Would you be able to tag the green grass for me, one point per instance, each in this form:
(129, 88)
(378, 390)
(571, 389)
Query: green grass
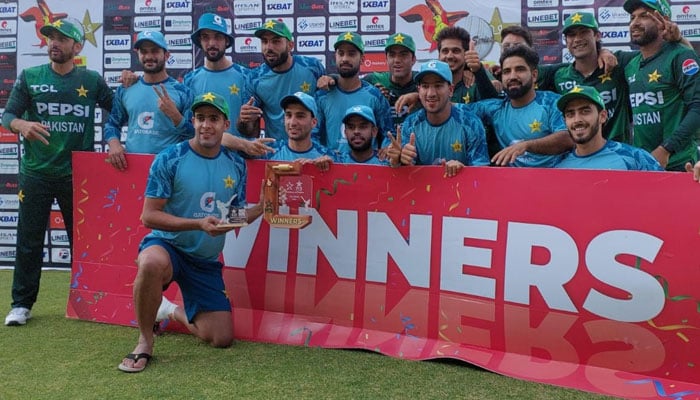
(56, 358)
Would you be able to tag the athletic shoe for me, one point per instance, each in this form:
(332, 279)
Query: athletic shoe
(18, 316)
(166, 309)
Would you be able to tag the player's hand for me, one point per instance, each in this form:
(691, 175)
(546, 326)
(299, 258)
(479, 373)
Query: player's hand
(128, 78)
(258, 147)
(325, 82)
(471, 58)
(33, 131)
(508, 155)
(408, 100)
(409, 152)
(249, 112)
(695, 170)
(452, 167)
(210, 225)
(662, 156)
(323, 163)
(606, 60)
(393, 152)
(166, 104)
(116, 155)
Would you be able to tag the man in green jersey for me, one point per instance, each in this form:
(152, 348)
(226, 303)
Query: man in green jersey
(664, 88)
(52, 106)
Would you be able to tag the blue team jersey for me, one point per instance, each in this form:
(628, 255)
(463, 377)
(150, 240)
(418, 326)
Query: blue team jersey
(269, 87)
(229, 83)
(614, 155)
(539, 118)
(149, 130)
(332, 105)
(193, 184)
(347, 158)
(460, 138)
(284, 153)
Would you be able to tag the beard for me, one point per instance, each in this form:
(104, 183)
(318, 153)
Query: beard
(362, 147)
(649, 36)
(519, 91)
(349, 73)
(60, 58)
(216, 56)
(159, 67)
(283, 57)
(587, 138)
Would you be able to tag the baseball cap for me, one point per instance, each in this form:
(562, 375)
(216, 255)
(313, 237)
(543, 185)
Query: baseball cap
(439, 68)
(401, 39)
(352, 38)
(276, 27)
(363, 111)
(581, 92)
(580, 19)
(214, 23)
(154, 37)
(658, 5)
(300, 98)
(211, 99)
(67, 27)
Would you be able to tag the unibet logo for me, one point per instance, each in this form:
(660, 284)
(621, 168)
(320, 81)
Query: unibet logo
(145, 120)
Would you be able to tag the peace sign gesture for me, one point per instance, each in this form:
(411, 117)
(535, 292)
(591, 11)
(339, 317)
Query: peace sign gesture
(393, 152)
(166, 104)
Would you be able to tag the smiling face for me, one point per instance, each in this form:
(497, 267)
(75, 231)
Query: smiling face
(152, 57)
(298, 122)
(213, 43)
(434, 93)
(209, 127)
(400, 61)
(581, 41)
(275, 50)
(452, 52)
(583, 120)
(644, 28)
(360, 133)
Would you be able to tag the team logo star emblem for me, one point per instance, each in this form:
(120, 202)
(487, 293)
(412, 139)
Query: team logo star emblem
(57, 23)
(466, 98)
(654, 76)
(456, 146)
(536, 126)
(229, 182)
(209, 96)
(90, 28)
(348, 36)
(234, 89)
(576, 18)
(305, 87)
(82, 92)
(604, 78)
(20, 195)
(398, 38)
(269, 24)
(576, 89)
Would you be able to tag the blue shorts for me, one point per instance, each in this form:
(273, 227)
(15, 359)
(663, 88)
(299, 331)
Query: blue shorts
(200, 281)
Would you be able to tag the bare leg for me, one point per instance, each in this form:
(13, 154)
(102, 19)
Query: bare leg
(213, 327)
(154, 271)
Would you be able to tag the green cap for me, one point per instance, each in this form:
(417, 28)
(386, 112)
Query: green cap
(276, 27)
(350, 37)
(401, 39)
(66, 27)
(211, 99)
(581, 92)
(657, 5)
(580, 19)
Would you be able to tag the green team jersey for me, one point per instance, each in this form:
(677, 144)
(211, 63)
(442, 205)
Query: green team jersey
(395, 91)
(477, 91)
(664, 92)
(612, 88)
(65, 105)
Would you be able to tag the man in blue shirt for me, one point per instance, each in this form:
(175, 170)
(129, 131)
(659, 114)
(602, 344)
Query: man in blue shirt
(585, 113)
(360, 132)
(155, 108)
(185, 183)
(282, 74)
(441, 133)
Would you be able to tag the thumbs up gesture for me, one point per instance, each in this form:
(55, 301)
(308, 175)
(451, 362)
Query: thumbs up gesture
(471, 57)
(409, 151)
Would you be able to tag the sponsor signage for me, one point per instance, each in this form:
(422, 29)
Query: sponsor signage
(147, 24)
(614, 34)
(543, 18)
(178, 6)
(247, 7)
(246, 26)
(612, 15)
(343, 6)
(542, 3)
(375, 23)
(311, 25)
(148, 6)
(177, 23)
(279, 7)
(8, 27)
(60, 255)
(117, 42)
(342, 24)
(311, 44)
(117, 60)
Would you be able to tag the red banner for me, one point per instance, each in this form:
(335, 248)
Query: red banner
(585, 279)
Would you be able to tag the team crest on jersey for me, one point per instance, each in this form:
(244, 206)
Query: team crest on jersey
(690, 67)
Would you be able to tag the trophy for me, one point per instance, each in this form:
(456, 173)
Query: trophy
(231, 216)
(279, 192)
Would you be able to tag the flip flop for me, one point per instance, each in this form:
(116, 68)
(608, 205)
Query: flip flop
(136, 358)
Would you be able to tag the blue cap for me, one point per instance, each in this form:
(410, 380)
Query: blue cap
(300, 98)
(213, 22)
(363, 111)
(154, 37)
(439, 68)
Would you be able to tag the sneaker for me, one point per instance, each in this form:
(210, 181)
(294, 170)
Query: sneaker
(18, 316)
(166, 309)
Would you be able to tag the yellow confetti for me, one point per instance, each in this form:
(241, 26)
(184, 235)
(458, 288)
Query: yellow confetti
(683, 337)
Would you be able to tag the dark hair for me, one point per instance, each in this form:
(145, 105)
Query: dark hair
(517, 30)
(526, 53)
(453, 32)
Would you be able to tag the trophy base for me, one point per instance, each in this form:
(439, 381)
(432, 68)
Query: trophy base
(232, 225)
